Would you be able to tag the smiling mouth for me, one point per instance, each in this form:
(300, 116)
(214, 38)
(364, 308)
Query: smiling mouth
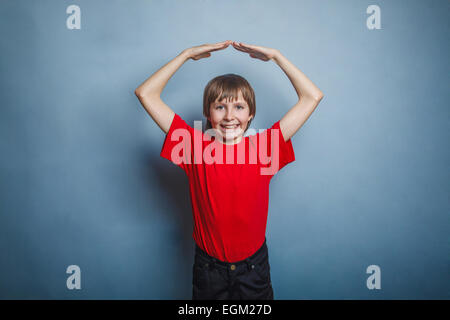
(229, 127)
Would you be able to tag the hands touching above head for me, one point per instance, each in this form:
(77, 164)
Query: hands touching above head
(257, 52)
(149, 92)
(309, 94)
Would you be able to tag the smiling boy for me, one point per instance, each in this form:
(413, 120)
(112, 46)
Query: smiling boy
(229, 198)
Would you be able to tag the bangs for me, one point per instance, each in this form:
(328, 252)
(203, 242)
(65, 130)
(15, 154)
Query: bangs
(227, 93)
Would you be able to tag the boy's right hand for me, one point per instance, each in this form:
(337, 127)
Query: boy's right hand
(203, 51)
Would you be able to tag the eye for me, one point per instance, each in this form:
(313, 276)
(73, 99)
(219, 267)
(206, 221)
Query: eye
(219, 107)
(240, 107)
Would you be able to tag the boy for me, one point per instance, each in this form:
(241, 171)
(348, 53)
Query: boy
(229, 185)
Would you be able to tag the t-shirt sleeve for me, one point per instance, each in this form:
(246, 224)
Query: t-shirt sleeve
(281, 152)
(177, 146)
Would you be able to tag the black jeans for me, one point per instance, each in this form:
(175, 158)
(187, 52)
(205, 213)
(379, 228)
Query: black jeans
(248, 279)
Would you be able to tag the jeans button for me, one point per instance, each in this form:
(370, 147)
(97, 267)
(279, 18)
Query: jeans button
(233, 267)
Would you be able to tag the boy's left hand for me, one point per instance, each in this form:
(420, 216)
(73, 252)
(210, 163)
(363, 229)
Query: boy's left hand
(257, 52)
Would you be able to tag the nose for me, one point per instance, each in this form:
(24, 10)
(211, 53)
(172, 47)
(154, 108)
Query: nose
(229, 114)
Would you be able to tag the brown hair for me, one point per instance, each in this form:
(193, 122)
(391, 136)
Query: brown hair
(228, 87)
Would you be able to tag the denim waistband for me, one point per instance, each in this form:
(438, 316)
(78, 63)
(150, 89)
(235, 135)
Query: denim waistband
(255, 258)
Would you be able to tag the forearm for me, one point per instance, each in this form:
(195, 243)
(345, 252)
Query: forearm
(303, 86)
(155, 84)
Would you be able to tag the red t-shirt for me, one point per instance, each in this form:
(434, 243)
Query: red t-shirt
(229, 185)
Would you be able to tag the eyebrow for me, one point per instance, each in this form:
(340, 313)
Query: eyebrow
(238, 102)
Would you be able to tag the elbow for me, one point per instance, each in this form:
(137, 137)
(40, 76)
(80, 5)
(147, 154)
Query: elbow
(137, 92)
(316, 97)
(140, 94)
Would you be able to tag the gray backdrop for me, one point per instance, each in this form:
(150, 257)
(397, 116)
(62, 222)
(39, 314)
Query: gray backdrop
(82, 182)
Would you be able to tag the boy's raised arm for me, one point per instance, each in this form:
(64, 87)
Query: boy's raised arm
(309, 94)
(149, 92)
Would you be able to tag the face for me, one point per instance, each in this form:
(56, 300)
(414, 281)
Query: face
(230, 119)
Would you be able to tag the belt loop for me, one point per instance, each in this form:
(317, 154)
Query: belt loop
(249, 264)
(212, 263)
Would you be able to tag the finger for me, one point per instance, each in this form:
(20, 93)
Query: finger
(242, 45)
(246, 45)
(223, 43)
(240, 48)
(219, 46)
(251, 47)
(237, 44)
(216, 49)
